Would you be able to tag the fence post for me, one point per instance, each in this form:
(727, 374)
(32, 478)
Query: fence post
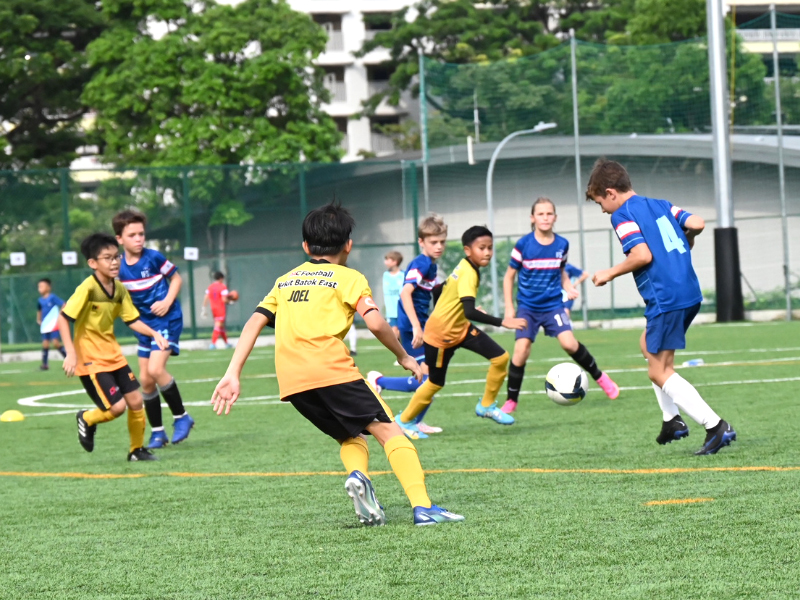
(423, 117)
(187, 220)
(781, 172)
(414, 202)
(301, 181)
(573, 44)
(611, 236)
(64, 189)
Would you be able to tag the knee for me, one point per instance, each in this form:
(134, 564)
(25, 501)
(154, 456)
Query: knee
(46, 345)
(134, 401)
(117, 408)
(154, 372)
(569, 344)
(500, 362)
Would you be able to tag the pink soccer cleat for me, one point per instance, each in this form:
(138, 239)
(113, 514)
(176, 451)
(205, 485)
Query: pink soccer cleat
(509, 407)
(608, 386)
(425, 428)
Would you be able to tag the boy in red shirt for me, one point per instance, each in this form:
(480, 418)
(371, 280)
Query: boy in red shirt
(217, 297)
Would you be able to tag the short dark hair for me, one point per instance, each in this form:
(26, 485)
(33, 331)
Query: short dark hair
(93, 245)
(45, 280)
(327, 229)
(219, 276)
(124, 218)
(607, 174)
(473, 233)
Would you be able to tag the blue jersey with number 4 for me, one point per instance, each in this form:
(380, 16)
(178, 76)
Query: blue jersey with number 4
(669, 282)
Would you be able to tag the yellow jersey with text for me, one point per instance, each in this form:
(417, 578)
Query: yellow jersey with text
(448, 325)
(313, 307)
(93, 312)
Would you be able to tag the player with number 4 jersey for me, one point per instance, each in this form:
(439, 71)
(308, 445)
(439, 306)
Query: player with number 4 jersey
(540, 259)
(657, 238)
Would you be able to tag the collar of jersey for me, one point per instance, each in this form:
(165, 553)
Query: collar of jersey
(102, 287)
(319, 261)
(472, 264)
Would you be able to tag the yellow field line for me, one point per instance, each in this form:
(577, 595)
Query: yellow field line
(670, 471)
(678, 501)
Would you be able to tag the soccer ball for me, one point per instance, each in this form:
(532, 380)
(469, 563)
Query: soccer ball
(566, 384)
(233, 295)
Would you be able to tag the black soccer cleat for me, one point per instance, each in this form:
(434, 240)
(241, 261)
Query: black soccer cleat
(85, 432)
(672, 430)
(141, 454)
(717, 437)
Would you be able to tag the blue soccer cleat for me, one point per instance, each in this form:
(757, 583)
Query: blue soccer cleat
(158, 439)
(360, 490)
(674, 429)
(494, 413)
(183, 425)
(433, 515)
(718, 437)
(410, 430)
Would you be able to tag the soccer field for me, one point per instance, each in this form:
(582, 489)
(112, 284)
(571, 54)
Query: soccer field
(570, 502)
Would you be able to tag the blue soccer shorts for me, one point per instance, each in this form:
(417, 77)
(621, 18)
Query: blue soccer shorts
(170, 329)
(555, 322)
(418, 354)
(667, 331)
(51, 336)
(392, 321)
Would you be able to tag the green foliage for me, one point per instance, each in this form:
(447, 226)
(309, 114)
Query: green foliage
(223, 85)
(43, 70)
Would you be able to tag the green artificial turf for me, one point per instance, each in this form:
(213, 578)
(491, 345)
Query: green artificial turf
(555, 505)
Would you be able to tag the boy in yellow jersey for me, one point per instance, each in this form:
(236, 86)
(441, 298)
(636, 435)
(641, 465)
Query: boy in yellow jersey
(311, 309)
(450, 328)
(96, 356)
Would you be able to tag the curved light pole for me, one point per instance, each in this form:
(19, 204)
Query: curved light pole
(490, 201)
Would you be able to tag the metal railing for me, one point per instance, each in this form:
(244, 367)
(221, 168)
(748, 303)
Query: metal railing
(338, 90)
(765, 35)
(382, 144)
(335, 41)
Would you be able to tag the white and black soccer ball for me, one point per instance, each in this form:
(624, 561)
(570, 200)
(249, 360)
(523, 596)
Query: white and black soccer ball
(566, 384)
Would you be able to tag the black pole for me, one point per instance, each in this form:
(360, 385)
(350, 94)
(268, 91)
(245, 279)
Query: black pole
(730, 302)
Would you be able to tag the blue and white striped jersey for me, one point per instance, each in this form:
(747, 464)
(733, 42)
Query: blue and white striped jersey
(539, 266)
(147, 281)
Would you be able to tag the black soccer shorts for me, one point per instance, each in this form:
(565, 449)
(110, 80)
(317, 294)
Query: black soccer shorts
(476, 341)
(106, 389)
(343, 410)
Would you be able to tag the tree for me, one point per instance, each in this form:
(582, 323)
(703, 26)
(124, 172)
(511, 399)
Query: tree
(43, 72)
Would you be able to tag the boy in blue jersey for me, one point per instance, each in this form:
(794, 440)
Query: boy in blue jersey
(393, 279)
(153, 283)
(540, 259)
(48, 308)
(576, 277)
(420, 287)
(656, 238)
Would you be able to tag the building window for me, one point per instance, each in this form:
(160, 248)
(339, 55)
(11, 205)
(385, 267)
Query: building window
(332, 24)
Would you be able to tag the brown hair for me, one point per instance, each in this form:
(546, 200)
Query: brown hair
(124, 218)
(433, 224)
(541, 200)
(395, 256)
(607, 174)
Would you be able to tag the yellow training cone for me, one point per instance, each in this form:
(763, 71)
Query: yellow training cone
(12, 415)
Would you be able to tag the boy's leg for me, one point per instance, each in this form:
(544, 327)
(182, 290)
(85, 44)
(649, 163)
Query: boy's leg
(59, 347)
(152, 402)
(136, 420)
(354, 453)
(102, 389)
(45, 353)
(668, 408)
(516, 372)
(479, 342)
(561, 327)
(437, 360)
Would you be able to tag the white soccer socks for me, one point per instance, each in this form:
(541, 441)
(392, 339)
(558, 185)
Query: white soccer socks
(689, 401)
(668, 408)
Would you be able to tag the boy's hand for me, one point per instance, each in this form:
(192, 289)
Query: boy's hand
(416, 341)
(225, 394)
(160, 308)
(409, 364)
(69, 363)
(514, 323)
(203, 313)
(160, 341)
(602, 277)
(573, 293)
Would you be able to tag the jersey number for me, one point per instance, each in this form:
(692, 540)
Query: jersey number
(669, 236)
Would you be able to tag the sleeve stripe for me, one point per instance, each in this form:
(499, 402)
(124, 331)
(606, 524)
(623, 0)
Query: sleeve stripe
(627, 228)
(413, 276)
(516, 255)
(675, 210)
(167, 268)
(132, 321)
(267, 313)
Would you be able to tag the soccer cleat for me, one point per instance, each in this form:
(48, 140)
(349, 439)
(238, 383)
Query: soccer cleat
(509, 407)
(141, 454)
(410, 430)
(212, 346)
(672, 430)
(718, 437)
(433, 515)
(608, 386)
(425, 428)
(360, 490)
(372, 378)
(85, 432)
(44, 367)
(183, 425)
(158, 439)
(494, 413)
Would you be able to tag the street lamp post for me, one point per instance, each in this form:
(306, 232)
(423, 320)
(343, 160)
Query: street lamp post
(490, 201)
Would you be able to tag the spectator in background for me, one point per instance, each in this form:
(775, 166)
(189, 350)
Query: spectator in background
(392, 284)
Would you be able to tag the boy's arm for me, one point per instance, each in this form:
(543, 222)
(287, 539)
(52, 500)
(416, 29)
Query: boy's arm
(381, 330)
(140, 327)
(637, 257)
(508, 291)
(227, 390)
(161, 307)
(70, 360)
(39, 317)
(584, 276)
(566, 284)
(408, 306)
(693, 227)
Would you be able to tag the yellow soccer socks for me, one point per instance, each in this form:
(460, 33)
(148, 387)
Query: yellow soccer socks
(95, 416)
(406, 466)
(498, 368)
(354, 453)
(136, 428)
(420, 400)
